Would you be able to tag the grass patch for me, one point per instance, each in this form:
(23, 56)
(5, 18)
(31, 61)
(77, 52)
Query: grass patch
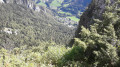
(42, 4)
(74, 18)
(56, 3)
(65, 5)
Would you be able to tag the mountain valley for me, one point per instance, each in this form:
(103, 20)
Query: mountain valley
(46, 33)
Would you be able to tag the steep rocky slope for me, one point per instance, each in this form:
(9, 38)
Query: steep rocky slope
(94, 11)
(28, 3)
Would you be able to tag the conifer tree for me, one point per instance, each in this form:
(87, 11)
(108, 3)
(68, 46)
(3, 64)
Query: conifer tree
(100, 42)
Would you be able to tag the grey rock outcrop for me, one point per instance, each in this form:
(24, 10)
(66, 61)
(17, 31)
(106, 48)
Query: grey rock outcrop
(94, 11)
(29, 4)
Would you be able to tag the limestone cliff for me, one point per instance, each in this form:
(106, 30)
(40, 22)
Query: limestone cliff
(28, 3)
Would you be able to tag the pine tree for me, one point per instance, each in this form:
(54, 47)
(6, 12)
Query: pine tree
(101, 40)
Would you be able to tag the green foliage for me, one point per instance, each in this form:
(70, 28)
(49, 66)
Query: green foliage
(54, 53)
(44, 55)
(74, 18)
(106, 57)
(56, 3)
(75, 54)
(98, 45)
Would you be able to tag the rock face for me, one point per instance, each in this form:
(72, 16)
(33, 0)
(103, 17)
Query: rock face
(94, 11)
(28, 3)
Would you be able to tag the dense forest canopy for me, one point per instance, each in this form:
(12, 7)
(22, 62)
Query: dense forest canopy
(22, 26)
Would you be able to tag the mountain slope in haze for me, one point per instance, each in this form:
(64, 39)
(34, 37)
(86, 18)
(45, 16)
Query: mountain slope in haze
(20, 25)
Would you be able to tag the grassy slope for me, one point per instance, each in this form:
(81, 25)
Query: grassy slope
(74, 18)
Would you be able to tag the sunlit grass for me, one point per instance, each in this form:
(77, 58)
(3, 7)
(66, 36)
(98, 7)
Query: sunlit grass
(74, 18)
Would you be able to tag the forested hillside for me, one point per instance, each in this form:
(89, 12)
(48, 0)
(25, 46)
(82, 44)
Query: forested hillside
(22, 26)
